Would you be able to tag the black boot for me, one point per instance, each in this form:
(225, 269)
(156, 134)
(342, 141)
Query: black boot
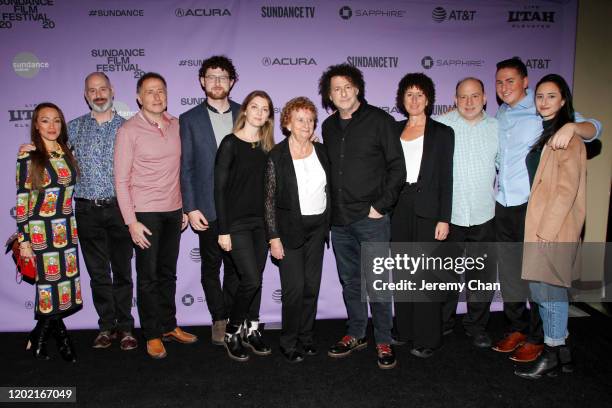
(565, 357)
(233, 345)
(252, 338)
(546, 364)
(64, 344)
(38, 337)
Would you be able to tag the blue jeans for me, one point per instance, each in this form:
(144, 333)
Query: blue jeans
(347, 241)
(554, 309)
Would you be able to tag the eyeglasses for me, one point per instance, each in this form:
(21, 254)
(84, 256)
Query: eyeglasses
(213, 78)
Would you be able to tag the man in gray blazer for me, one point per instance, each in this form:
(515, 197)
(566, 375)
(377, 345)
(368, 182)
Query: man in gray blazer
(202, 128)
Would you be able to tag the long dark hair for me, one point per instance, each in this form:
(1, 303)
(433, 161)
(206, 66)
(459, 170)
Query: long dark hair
(563, 116)
(40, 157)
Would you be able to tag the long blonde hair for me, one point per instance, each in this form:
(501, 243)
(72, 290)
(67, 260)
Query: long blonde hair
(266, 132)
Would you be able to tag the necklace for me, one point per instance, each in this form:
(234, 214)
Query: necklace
(58, 153)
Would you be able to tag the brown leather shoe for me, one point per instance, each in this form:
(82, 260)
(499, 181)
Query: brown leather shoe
(127, 341)
(156, 348)
(218, 332)
(510, 342)
(527, 352)
(103, 340)
(180, 336)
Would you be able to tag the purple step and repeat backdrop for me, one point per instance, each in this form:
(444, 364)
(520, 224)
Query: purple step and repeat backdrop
(49, 46)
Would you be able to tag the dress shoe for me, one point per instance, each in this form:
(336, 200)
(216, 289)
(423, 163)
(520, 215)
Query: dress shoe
(127, 341)
(386, 356)
(510, 343)
(311, 350)
(565, 358)
(346, 346)
(37, 339)
(233, 343)
(422, 352)
(527, 353)
(103, 340)
(156, 349)
(218, 332)
(180, 336)
(480, 340)
(252, 338)
(546, 364)
(64, 344)
(292, 356)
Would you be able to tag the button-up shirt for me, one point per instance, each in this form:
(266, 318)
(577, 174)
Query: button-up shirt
(147, 166)
(519, 128)
(94, 146)
(476, 148)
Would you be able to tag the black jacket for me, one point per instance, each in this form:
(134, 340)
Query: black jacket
(435, 183)
(366, 164)
(282, 203)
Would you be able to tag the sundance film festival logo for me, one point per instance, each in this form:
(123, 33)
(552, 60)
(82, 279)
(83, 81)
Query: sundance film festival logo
(439, 15)
(441, 109)
(287, 61)
(192, 101)
(531, 17)
(21, 117)
(346, 13)
(202, 12)
(536, 63)
(428, 62)
(27, 65)
(190, 62)
(116, 13)
(20, 11)
(119, 60)
(373, 61)
(287, 12)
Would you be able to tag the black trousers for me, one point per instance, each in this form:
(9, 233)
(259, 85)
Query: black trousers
(156, 272)
(107, 246)
(510, 227)
(478, 303)
(249, 253)
(300, 274)
(219, 298)
(419, 321)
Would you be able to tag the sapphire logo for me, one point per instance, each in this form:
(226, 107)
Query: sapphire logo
(277, 296)
(194, 254)
(187, 300)
(438, 14)
(427, 62)
(345, 13)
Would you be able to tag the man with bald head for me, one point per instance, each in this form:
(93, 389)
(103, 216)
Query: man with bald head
(105, 240)
(473, 211)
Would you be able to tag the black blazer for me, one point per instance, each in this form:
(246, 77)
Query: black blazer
(283, 215)
(435, 182)
(198, 152)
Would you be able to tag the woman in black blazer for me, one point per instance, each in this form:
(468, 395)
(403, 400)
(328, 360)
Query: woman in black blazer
(423, 210)
(297, 222)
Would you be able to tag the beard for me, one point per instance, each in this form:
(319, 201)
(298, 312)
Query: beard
(217, 93)
(100, 108)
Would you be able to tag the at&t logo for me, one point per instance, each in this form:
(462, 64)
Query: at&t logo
(439, 14)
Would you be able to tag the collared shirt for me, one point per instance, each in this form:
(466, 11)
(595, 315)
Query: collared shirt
(476, 148)
(519, 128)
(222, 122)
(147, 166)
(94, 146)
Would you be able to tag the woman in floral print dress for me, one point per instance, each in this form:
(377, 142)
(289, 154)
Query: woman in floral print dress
(47, 228)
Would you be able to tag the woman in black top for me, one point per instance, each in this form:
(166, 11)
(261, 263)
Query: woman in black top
(239, 186)
(423, 210)
(297, 223)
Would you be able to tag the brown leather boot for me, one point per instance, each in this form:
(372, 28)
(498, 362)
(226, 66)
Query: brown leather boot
(156, 349)
(218, 332)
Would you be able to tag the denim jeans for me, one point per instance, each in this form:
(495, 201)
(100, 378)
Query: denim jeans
(554, 308)
(346, 240)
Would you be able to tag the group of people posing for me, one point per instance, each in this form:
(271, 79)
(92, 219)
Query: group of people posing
(138, 183)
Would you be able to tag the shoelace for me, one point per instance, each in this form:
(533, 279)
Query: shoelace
(346, 340)
(383, 349)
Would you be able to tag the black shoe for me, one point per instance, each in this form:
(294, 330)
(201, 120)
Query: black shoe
(422, 352)
(252, 338)
(233, 344)
(565, 358)
(480, 340)
(386, 356)
(292, 356)
(546, 364)
(448, 331)
(395, 341)
(37, 339)
(346, 346)
(64, 344)
(311, 350)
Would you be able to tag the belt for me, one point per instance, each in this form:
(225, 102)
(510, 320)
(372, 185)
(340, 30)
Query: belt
(98, 202)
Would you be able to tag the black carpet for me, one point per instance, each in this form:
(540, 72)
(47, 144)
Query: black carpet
(201, 375)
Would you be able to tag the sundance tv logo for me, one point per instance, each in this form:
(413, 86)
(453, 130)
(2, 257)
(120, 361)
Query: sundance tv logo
(288, 61)
(439, 15)
(202, 12)
(346, 13)
(287, 12)
(372, 61)
(428, 62)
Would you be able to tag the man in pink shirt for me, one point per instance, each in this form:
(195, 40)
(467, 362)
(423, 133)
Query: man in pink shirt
(147, 168)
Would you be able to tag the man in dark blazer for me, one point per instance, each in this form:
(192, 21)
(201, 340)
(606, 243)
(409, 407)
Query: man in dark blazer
(202, 128)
